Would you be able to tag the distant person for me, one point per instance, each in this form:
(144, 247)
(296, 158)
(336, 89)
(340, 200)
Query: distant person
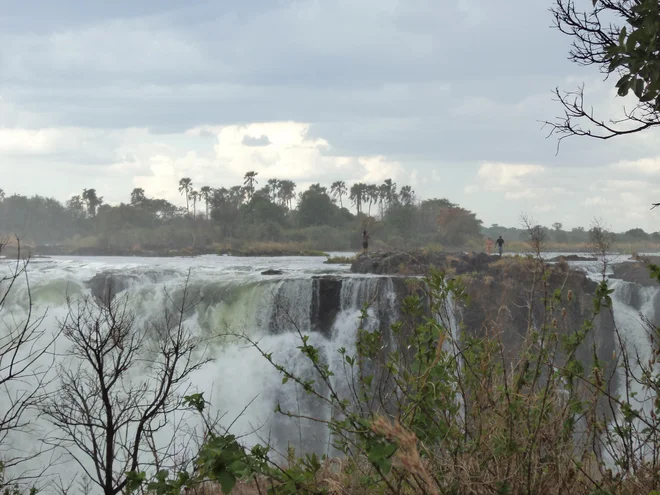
(500, 244)
(365, 242)
(489, 245)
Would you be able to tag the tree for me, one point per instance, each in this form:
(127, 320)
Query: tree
(357, 195)
(119, 385)
(316, 207)
(205, 193)
(617, 36)
(92, 201)
(600, 243)
(185, 186)
(137, 197)
(250, 180)
(273, 189)
(389, 190)
(455, 225)
(76, 207)
(557, 226)
(287, 192)
(2, 195)
(25, 364)
(372, 195)
(338, 190)
(194, 195)
(407, 196)
(637, 234)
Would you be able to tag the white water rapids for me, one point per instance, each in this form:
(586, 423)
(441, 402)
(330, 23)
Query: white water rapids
(239, 383)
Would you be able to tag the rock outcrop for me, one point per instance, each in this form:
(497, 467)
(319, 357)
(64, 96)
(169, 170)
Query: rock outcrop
(498, 290)
(419, 263)
(636, 272)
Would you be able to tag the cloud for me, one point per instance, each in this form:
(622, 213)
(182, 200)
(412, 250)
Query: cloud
(256, 141)
(645, 166)
(513, 180)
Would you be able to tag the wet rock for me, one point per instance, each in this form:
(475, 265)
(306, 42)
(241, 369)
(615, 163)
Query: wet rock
(272, 272)
(105, 286)
(572, 257)
(634, 272)
(420, 263)
(326, 303)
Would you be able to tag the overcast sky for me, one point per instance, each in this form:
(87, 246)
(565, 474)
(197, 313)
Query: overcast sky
(444, 95)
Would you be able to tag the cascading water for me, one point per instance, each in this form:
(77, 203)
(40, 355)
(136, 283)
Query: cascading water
(232, 299)
(632, 306)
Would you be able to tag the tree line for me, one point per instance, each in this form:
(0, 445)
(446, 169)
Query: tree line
(275, 211)
(317, 218)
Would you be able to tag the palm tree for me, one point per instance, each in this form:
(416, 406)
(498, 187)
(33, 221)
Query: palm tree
(287, 192)
(194, 195)
(407, 195)
(273, 189)
(206, 193)
(338, 190)
(237, 195)
(185, 186)
(357, 195)
(249, 183)
(372, 195)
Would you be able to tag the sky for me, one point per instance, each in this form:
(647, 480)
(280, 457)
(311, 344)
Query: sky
(447, 96)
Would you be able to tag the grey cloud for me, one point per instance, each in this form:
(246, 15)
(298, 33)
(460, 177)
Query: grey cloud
(256, 141)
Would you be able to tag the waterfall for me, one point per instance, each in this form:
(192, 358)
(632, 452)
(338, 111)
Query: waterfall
(241, 385)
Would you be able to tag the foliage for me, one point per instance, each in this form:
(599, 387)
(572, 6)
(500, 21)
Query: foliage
(430, 413)
(240, 214)
(619, 37)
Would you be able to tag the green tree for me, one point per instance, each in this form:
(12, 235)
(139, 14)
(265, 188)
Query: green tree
(92, 201)
(338, 190)
(287, 192)
(137, 197)
(407, 196)
(357, 195)
(185, 186)
(273, 189)
(371, 195)
(250, 181)
(617, 36)
(316, 207)
(205, 193)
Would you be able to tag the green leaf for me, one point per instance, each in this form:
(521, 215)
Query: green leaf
(227, 481)
(285, 379)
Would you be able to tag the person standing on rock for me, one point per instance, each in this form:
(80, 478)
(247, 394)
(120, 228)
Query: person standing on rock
(500, 244)
(489, 245)
(365, 242)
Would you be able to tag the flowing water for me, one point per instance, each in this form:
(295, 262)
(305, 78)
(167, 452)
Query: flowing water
(233, 297)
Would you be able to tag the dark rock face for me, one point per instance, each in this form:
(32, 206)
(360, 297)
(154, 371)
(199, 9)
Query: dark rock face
(634, 271)
(419, 263)
(104, 286)
(326, 303)
(272, 272)
(498, 290)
